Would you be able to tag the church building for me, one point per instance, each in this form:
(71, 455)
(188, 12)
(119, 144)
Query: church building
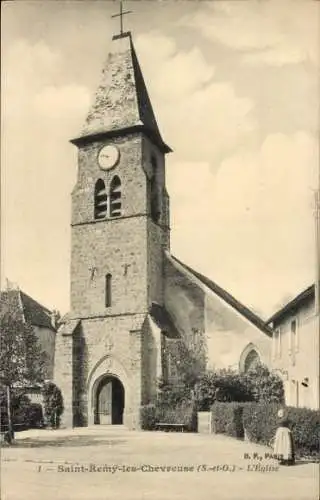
(138, 315)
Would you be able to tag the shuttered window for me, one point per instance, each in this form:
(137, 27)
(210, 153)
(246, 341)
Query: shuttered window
(115, 197)
(100, 200)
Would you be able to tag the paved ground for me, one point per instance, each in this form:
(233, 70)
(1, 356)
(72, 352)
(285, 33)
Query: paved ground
(47, 465)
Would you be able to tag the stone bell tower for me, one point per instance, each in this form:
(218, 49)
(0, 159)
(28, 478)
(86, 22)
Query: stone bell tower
(120, 229)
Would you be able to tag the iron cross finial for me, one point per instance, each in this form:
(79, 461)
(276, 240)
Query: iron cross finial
(121, 14)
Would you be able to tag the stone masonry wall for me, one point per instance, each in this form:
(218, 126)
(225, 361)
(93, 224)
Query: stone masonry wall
(119, 248)
(63, 376)
(150, 360)
(117, 342)
(155, 281)
(132, 176)
(115, 339)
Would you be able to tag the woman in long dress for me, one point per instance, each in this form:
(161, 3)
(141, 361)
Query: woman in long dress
(283, 441)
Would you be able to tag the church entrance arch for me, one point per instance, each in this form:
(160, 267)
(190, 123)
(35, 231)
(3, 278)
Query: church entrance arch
(109, 401)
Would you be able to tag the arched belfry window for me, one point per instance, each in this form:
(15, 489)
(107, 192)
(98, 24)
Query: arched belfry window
(100, 200)
(115, 197)
(154, 192)
(108, 290)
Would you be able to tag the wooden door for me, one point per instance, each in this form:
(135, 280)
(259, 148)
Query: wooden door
(105, 404)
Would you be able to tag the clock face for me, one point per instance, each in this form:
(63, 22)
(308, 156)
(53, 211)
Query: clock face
(108, 157)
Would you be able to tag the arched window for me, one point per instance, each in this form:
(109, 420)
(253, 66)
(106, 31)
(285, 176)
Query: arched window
(115, 197)
(108, 290)
(250, 358)
(154, 193)
(251, 361)
(100, 200)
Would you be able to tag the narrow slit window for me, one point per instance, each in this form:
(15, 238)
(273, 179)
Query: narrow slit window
(115, 197)
(154, 194)
(108, 291)
(100, 200)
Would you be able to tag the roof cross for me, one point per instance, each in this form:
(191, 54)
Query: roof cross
(121, 14)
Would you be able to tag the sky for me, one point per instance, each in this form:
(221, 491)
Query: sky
(235, 89)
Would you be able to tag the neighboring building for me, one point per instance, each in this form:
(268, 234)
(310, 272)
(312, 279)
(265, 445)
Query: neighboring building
(42, 320)
(137, 314)
(295, 349)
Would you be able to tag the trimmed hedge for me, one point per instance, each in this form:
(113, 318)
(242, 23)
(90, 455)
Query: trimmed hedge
(305, 426)
(259, 421)
(227, 419)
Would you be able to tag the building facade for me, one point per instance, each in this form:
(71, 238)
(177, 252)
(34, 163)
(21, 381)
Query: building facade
(43, 320)
(138, 315)
(295, 349)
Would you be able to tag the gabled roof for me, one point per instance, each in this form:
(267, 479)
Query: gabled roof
(121, 102)
(307, 294)
(30, 310)
(228, 298)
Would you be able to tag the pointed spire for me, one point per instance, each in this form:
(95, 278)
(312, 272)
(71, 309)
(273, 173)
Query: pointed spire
(121, 102)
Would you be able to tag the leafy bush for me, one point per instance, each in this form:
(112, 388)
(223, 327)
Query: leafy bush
(25, 415)
(148, 417)
(223, 385)
(183, 413)
(258, 384)
(53, 404)
(227, 419)
(263, 384)
(35, 416)
(175, 405)
(28, 416)
(171, 395)
(261, 421)
(20, 405)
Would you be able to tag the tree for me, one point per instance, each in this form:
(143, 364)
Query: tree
(53, 404)
(21, 359)
(189, 357)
